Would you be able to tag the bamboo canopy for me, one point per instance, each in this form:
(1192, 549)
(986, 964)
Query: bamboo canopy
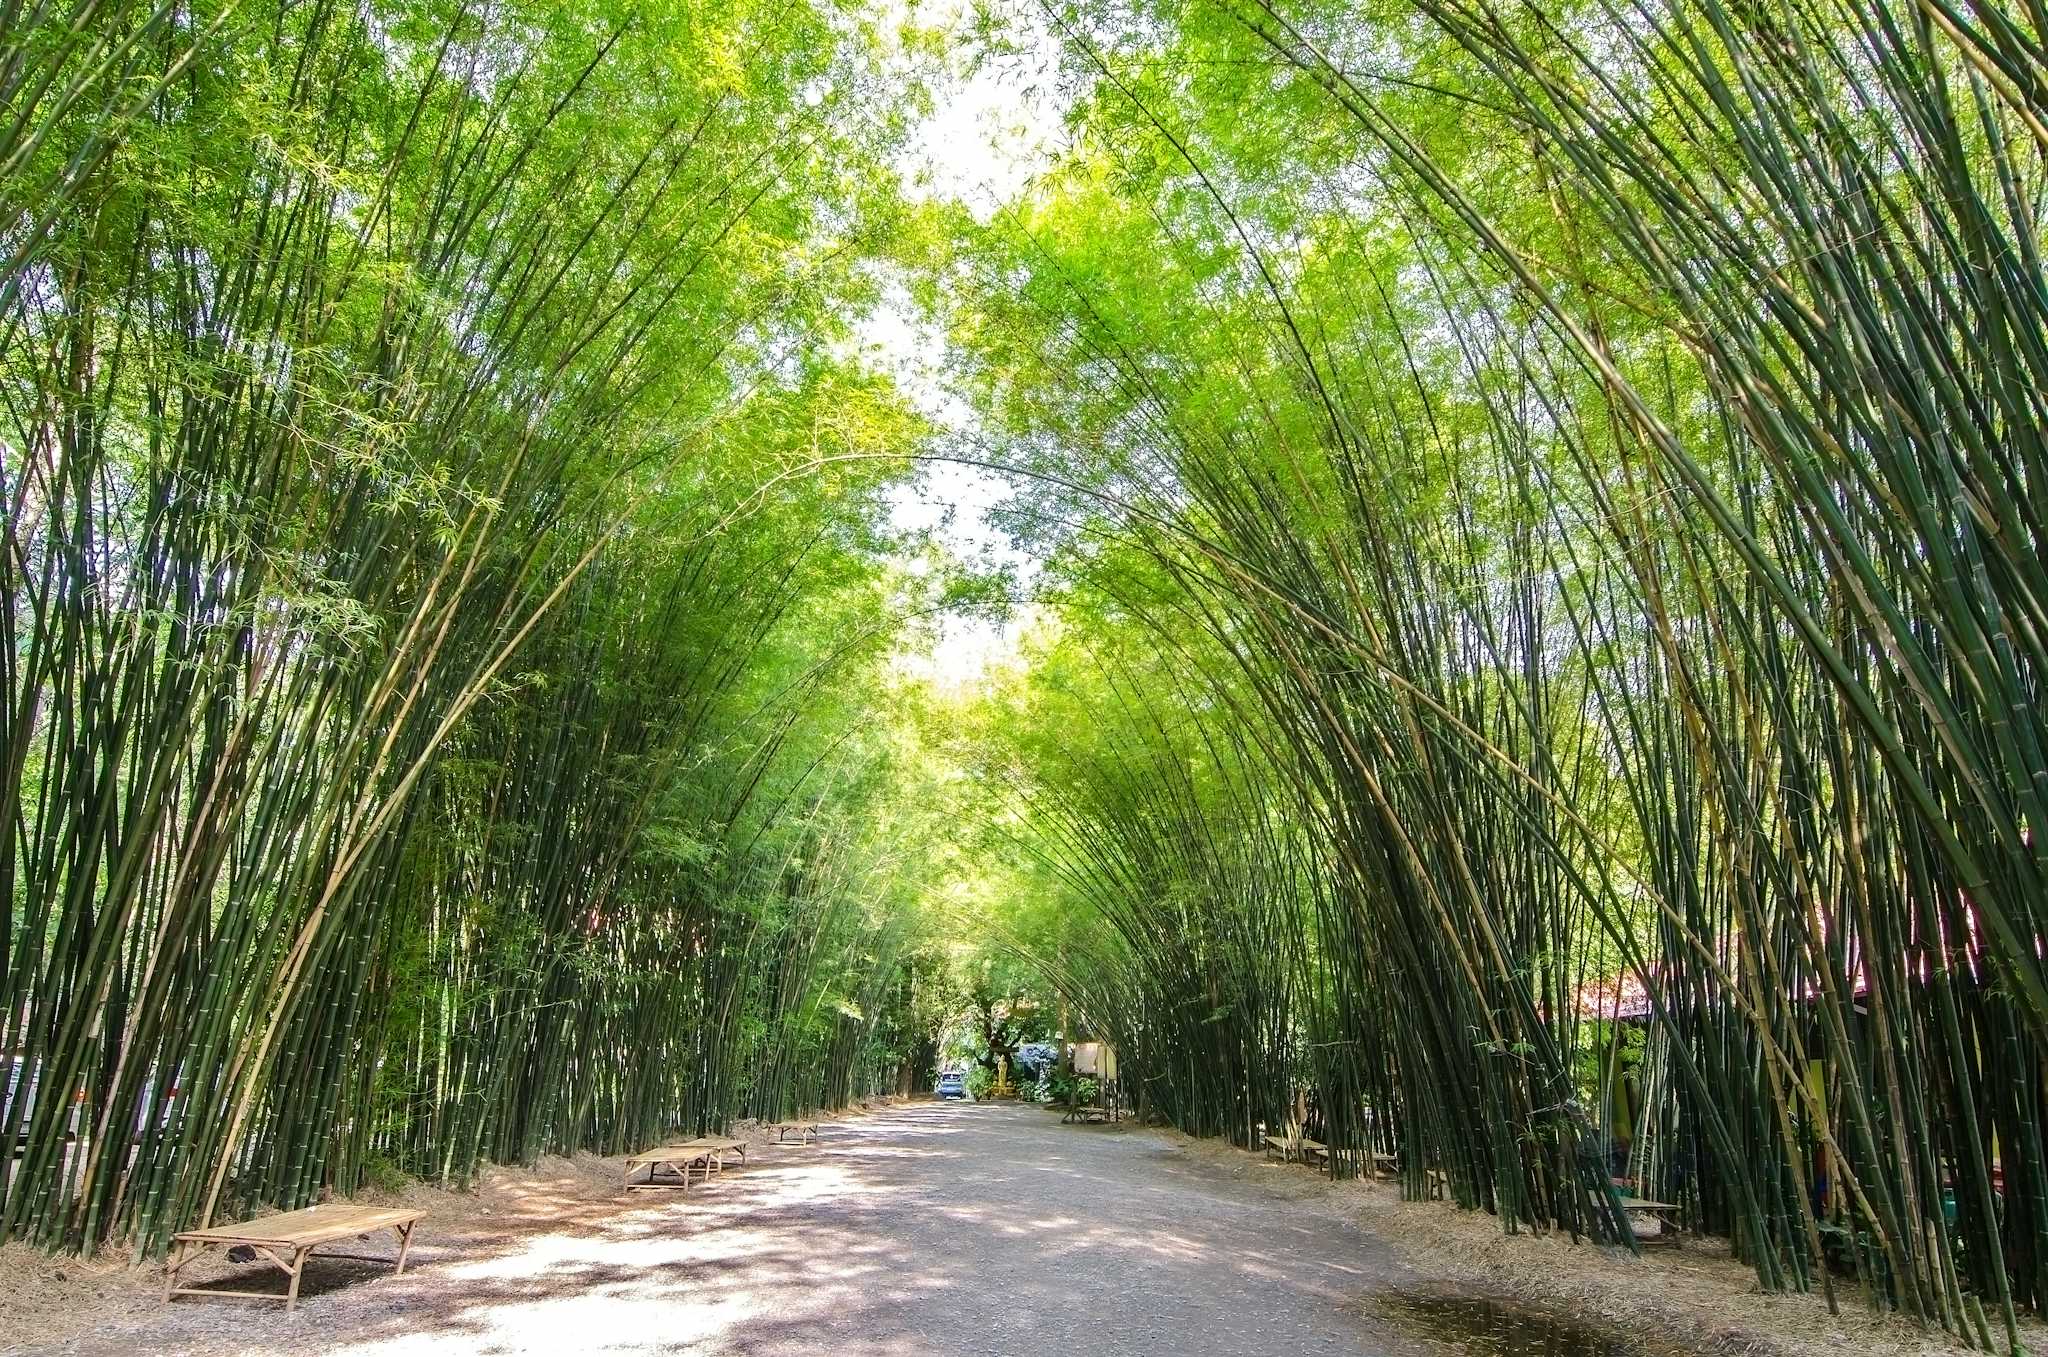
(1563, 498)
(1535, 533)
(420, 740)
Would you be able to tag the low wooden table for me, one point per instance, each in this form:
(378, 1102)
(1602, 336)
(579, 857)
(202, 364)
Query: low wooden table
(783, 1130)
(1299, 1148)
(1373, 1163)
(669, 1165)
(286, 1241)
(672, 1165)
(1664, 1213)
(721, 1146)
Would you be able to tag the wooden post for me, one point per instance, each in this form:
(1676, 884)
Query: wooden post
(171, 1266)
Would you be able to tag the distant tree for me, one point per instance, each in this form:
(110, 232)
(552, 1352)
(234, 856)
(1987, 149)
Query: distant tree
(1002, 1010)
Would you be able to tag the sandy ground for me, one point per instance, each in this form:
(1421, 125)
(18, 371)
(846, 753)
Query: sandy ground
(931, 1228)
(1691, 1294)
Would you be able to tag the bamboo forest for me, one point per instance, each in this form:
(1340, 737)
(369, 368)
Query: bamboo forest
(1462, 577)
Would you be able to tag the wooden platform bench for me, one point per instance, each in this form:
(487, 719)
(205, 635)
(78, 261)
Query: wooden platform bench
(721, 1146)
(1081, 1114)
(1369, 1164)
(1288, 1149)
(286, 1241)
(672, 1165)
(669, 1165)
(806, 1131)
(1664, 1213)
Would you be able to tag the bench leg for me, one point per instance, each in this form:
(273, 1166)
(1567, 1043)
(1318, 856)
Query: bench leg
(298, 1269)
(173, 1266)
(404, 1245)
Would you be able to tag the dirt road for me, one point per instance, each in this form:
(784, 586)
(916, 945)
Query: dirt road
(926, 1228)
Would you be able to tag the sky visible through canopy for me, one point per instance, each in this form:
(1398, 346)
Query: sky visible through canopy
(996, 125)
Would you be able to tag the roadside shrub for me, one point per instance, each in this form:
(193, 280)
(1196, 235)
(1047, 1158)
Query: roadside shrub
(380, 1174)
(1058, 1087)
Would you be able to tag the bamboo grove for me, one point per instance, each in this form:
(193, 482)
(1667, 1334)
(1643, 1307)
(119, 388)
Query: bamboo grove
(427, 721)
(1542, 566)
(1545, 519)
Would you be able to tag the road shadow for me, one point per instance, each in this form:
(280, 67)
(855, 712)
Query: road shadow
(921, 1229)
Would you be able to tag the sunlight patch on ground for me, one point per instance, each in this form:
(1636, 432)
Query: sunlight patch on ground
(693, 1271)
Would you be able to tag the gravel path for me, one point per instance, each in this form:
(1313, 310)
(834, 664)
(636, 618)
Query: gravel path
(926, 1228)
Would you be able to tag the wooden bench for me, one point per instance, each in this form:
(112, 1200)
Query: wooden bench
(721, 1146)
(672, 1165)
(807, 1131)
(1294, 1146)
(286, 1241)
(1089, 1113)
(669, 1165)
(1371, 1164)
(1664, 1213)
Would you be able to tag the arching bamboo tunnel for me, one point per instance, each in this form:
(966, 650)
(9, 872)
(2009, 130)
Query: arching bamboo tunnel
(1522, 638)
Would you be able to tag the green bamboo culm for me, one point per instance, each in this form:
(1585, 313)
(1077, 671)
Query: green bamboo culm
(1542, 575)
(1580, 464)
(418, 733)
